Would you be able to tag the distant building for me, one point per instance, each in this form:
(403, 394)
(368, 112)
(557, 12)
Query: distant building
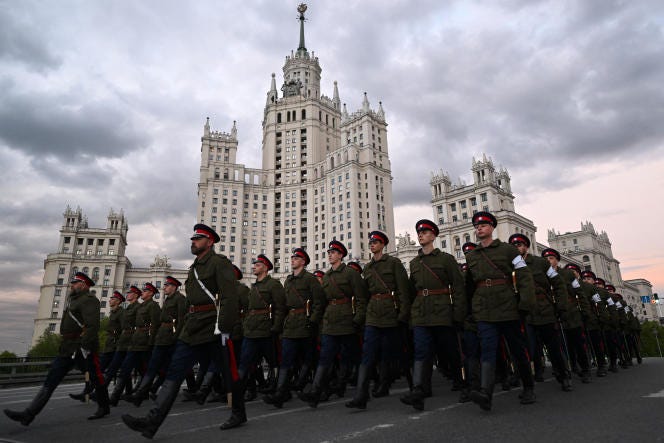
(100, 253)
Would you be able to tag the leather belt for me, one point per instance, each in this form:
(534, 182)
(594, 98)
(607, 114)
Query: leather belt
(127, 331)
(487, 283)
(384, 296)
(297, 311)
(166, 324)
(339, 301)
(202, 308)
(70, 335)
(258, 311)
(143, 328)
(428, 292)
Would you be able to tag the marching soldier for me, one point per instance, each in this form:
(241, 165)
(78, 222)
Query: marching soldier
(147, 323)
(319, 275)
(470, 342)
(496, 270)
(611, 326)
(437, 312)
(344, 317)
(263, 319)
(581, 303)
(213, 309)
(127, 323)
(169, 326)
(305, 302)
(597, 322)
(356, 266)
(79, 330)
(389, 307)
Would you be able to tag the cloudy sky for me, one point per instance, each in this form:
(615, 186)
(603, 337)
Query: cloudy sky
(102, 104)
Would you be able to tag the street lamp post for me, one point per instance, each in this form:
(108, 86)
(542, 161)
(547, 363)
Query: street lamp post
(657, 339)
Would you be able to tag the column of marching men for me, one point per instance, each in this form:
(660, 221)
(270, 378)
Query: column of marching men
(497, 316)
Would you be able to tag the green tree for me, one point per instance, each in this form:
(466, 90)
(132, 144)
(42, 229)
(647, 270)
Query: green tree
(6, 355)
(649, 340)
(47, 345)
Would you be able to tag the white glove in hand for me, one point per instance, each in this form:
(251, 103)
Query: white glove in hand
(551, 272)
(575, 284)
(224, 339)
(597, 298)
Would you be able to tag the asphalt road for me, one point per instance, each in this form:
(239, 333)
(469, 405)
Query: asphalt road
(623, 407)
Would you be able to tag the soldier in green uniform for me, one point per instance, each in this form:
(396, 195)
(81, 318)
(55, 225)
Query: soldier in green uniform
(346, 298)
(496, 270)
(438, 310)
(113, 333)
(305, 301)
(470, 342)
(581, 303)
(623, 348)
(319, 275)
(142, 340)
(596, 321)
(79, 330)
(389, 307)
(127, 324)
(206, 334)
(611, 326)
(170, 323)
(263, 319)
(634, 337)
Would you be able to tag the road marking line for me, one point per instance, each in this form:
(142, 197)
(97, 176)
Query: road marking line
(659, 394)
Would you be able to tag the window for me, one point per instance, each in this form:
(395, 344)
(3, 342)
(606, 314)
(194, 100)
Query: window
(483, 196)
(61, 270)
(453, 207)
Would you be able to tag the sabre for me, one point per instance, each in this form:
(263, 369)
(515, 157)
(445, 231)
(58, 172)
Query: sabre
(217, 331)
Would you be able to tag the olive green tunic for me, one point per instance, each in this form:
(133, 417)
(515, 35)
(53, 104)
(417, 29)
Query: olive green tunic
(147, 323)
(171, 319)
(612, 321)
(128, 322)
(216, 272)
(303, 290)
(593, 318)
(499, 302)
(390, 292)
(550, 293)
(437, 271)
(266, 308)
(344, 288)
(573, 317)
(114, 329)
(85, 308)
(243, 297)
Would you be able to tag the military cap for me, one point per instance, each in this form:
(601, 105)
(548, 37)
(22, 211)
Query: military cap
(118, 295)
(301, 253)
(204, 231)
(173, 281)
(519, 238)
(266, 261)
(550, 252)
(588, 274)
(81, 277)
(573, 267)
(427, 225)
(318, 273)
(609, 287)
(468, 246)
(355, 265)
(336, 245)
(150, 287)
(600, 281)
(379, 236)
(464, 267)
(238, 273)
(484, 217)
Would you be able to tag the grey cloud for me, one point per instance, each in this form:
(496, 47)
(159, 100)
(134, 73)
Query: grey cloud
(17, 325)
(23, 41)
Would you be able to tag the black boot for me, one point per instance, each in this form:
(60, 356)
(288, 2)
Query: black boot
(81, 397)
(26, 416)
(362, 392)
(103, 408)
(142, 392)
(313, 396)
(302, 378)
(238, 411)
(205, 389)
(129, 390)
(281, 394)
(566, 384)
(344, 376)
(483, 397)
(149, 425)
(416, 397)
(528, 394)
(120, 384)
(384, 380)
(427, 374)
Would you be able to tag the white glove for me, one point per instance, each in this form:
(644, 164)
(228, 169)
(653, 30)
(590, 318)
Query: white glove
(597, 298)
(628, 309)
(575, 284)
(518, 262)
(224, 339)
(85, 353)
(609, 301)
(618, 305)
(551, 272)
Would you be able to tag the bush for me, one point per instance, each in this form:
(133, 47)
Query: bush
(649, 341)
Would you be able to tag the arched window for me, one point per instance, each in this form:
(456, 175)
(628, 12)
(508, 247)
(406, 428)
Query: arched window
(278, 117)
(586, 258)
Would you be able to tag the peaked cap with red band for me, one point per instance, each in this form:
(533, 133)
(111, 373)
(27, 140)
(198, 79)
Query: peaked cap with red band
(427, 225)
(81, 277)
(118, 295)
(266, 261)
(135, 290)
(468, 246)
(301, 253)
(318, 273)
(600, 281)
(379, 236)
(336, 245)
(174, 281)
(150, 287)
(464, 267)
(484, 217)
(588, 274)
(204, 231)
(573, 267)
(519, 238)
(609, 287)
(355, 265)
(238, 273)
(550, 252)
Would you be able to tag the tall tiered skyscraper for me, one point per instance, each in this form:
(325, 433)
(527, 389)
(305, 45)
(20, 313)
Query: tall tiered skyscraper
(325, 174)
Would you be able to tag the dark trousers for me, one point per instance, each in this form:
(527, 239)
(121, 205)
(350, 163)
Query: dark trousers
(294, 349)
(548, 335)
(253, 349)
(383, 343)
(331, 345)
(159, 360)
(114, 365)
(134, 360)
(490, 332)
(598, 346)
(611, 337)
(63, 364)
(105, 360)
(440, 340)
(577, 347)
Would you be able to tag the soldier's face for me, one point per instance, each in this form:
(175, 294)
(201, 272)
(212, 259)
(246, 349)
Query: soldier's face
(169, 288)
(113, 302)
(553, 261)
(297, 262)
(521, 247)
(484, 230)
(376, 246)
(146, 295)
(425, 237)
(131, 296)
(77, 287)
(258, 268)
(200, 245)
(333, 256)
(589, 280)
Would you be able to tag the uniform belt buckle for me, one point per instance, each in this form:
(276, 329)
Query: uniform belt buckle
(425, 292)
(487, 282)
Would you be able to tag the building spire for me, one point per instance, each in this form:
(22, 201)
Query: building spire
(335, 96)
(206, 128)
(301, 49)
